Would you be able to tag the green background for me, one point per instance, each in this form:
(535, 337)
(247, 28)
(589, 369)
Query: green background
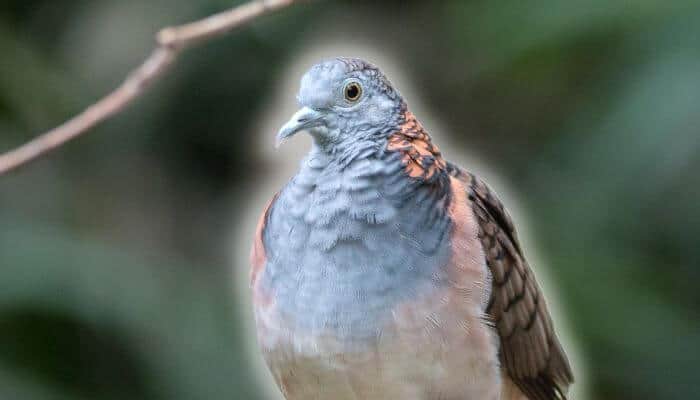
(115, 250)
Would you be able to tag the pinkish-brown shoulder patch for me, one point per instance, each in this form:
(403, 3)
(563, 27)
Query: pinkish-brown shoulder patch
(467, 266)
(421, 158)
(257, 252)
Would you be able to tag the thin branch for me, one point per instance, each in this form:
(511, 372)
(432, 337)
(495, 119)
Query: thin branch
(170, 42)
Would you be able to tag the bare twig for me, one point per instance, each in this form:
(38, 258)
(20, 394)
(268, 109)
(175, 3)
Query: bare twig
(170, 42)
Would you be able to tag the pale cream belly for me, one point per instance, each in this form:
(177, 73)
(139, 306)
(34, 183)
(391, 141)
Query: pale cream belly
(421, 355)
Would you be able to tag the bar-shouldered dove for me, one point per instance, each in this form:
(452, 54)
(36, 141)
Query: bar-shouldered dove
(383, 271)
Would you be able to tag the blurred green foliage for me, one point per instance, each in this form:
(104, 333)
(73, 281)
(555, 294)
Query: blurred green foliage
(114, 250)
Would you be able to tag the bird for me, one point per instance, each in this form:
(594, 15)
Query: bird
(383, 271)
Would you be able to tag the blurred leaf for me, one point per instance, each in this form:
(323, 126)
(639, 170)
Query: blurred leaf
(84, 296)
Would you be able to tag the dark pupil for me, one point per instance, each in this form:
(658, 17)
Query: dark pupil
(352, 92)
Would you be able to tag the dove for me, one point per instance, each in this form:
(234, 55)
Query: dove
(384, 271)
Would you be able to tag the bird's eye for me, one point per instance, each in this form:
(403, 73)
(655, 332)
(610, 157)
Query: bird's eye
(353, 91)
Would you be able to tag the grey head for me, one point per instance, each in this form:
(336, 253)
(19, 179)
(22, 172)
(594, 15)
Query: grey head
(344, 100)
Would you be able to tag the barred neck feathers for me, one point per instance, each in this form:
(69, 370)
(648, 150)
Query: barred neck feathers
(422, 159)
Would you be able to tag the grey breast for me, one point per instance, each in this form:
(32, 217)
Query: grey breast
(348, 239)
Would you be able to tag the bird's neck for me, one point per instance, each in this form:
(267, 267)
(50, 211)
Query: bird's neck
(403, 138)
(402, 167)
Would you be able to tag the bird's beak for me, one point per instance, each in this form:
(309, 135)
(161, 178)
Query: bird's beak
(305, 118)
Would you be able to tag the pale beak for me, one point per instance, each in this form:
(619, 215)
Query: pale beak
(305, 118)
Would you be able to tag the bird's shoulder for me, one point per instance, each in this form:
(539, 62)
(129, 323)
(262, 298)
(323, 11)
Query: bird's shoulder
(258, 252)
(530, 351)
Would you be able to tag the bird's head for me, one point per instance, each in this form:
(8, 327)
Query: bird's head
(344, 100)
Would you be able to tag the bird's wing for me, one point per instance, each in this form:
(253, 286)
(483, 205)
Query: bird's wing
(529, 349)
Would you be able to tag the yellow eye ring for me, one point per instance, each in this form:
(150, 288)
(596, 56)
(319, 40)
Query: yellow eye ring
(353, 91)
